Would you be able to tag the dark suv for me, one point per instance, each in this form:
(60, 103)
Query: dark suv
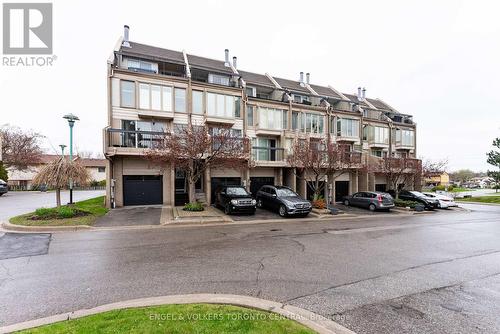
(234, 199)
(283, 199)
(3, 187)
(417, 196)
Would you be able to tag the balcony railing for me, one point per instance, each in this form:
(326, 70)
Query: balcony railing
(133, 138)
(262, 153)
(374, 114)
(351, 157)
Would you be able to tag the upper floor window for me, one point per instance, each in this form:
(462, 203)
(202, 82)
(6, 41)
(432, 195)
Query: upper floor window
(180, 99)
(218, 79)
(133, 137)
(308, 122)
(197, 102)
(300, 98)
(405, 137)
(378, 134)
(155, 97)
(249, 115)
(251, 91)
(127, 94)
(220, 105)
(140, 66)
(347, 127)
(272, 119)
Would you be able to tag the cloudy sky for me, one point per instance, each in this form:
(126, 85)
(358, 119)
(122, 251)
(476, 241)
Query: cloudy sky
(436, 60)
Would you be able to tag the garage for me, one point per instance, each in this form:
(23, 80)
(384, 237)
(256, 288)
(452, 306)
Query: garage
(257, 182)
(142, 189)
(223, 181)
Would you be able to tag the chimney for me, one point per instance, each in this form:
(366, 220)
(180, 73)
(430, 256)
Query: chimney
(301, 80)
(308, 75)
(359, 93)
(363, 95)
(226, 57)
(234, 62)
(126, 29)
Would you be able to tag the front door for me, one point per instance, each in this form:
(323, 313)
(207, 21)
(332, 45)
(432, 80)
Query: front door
(181, 191)
(341, 190)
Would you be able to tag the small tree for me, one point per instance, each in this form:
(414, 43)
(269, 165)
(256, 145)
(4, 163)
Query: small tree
(4, 175)
(315, 159)
(20, 149)
(462, 175)
(494, 159)
(58, 173)
(399, 171)
(194, 149)
(431, 168)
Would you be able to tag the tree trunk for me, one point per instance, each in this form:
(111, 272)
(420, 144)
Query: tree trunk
(191, 191)
(58, 197)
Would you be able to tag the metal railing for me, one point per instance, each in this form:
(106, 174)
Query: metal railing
(262, 153)
(134, 138)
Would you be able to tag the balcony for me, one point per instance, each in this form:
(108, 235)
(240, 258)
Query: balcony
(399, 145)
(131, 142)
(268, 156)
(375, 115)
(168, 115)
(351, 157)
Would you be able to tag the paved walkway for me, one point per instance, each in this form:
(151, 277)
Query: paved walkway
(131, 216)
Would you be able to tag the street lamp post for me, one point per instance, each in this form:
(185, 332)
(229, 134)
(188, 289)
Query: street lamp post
(62, 146)
(71, 121)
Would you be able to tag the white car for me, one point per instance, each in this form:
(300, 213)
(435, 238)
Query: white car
(444, 202)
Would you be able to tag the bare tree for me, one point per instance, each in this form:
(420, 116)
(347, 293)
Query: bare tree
(399, 171)
(20, 148)
(431, 168)
(59, 172)
(315, 159)
(194, 149)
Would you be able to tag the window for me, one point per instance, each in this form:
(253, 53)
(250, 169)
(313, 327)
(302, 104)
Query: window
(251, 91)
(131, 138)
(380, 135)
(249, 115)
(272, 119)
(197, 102)
(101, 169)
(307, 122)
(377, 153)
(237, 107)
(220, 105)
(405, 137)
(155, 97)
(127, 95)
(300, 98)
(218, 79)
(295, 120)
(264, 149)
(180, 99)
(347, 127)
(140, 66)
(167, 98)
(144, 96)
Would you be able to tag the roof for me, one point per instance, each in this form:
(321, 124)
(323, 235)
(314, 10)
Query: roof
(380, 104)
(325, 91)
(291, 85)
(354, 98)
(153, 51)
(255, 78)
(89, 162)
(208, 63)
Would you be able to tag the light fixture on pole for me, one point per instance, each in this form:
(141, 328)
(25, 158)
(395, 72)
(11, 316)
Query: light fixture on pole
(62, 146)
(71, 121)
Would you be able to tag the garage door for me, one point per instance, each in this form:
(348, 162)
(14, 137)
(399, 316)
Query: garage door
(142, 189)
(223, 181)
(257, 182)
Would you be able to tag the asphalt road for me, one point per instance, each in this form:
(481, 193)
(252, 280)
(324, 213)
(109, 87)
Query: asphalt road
(15, 203)
(428, 273)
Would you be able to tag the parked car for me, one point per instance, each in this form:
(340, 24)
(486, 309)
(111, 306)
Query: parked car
(444, 202)
(234, 199)
(283, 199)
(417, 196)
(3, 187)
(372, 200)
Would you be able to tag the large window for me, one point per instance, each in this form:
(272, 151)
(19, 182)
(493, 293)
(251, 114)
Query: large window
(180, 99)
(307, 122)
(264, 149)
(127, 94)
(249, 115)
(197, 102)
(155, 97)
(220, 105)
(140, 66)
(379, 134)
(218, 79)
(134, 138)
(167, 98)
(272, 119)
(405, 137)
(347, 127)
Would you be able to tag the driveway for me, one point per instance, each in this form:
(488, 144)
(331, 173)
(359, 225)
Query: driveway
(15, 203)
(131, 216)
(435, 273)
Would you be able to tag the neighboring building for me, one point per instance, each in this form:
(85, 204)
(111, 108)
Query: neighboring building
(153, 90)
(23, 179)
(437, 179)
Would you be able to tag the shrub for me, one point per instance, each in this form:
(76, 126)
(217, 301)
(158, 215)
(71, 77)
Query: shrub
(3, 172)
(319, 203)
(46, 212)
(195, 206)
(58, 213)
(403, 204)
(66, 212)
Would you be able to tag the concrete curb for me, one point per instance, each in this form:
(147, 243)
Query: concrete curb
(477, 203)
(22, 228)
(309, 319)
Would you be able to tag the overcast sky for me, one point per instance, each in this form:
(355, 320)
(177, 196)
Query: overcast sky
(436, 60)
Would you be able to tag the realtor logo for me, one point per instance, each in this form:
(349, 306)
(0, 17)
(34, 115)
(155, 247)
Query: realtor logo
(27, 28)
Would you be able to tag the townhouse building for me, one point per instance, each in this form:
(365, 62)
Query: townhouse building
(153, 90)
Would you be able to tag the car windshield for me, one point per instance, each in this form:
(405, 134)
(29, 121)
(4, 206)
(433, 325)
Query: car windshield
(284, 192)
(236, 191)
(417, 193)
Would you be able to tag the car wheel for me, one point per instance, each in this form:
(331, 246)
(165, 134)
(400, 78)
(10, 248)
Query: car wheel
(282, 211)
(227, 210)
(259, 203)
(372, 207)
(439, 205)
(346, 202)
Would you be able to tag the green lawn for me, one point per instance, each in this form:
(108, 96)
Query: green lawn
(482, 199)
(459, 190)
(181, 319)
(94, 206)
